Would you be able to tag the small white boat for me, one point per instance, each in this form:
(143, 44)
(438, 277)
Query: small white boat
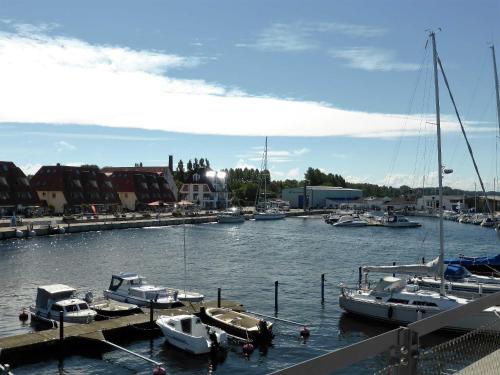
(270, 214)
(132, 288)
(19, 233)
(231, 216)
(397, 221)
(188, 333)
(350, 221)
(53, 299)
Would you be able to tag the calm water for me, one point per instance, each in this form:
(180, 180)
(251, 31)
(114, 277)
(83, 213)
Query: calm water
(244, 260)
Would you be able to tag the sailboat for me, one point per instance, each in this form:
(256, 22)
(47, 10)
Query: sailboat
(392, 299)
(183, 295)
(267, 213)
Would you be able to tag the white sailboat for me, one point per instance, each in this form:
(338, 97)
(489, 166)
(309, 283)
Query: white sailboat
(267, 213)
(393, 299)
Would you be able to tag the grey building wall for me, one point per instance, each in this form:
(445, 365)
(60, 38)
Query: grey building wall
(317, 196)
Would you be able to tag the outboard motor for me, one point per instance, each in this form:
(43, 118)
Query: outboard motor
(89, 297)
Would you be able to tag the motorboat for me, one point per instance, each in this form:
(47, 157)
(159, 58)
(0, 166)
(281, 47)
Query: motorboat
(188, 333)
(332, 218)
(243, 325)
(397, 221)
(231, 216)
(488, 222)
(392, 300)
(132, 288)
(350, 221)
(107, 309)
(270, 214)
(53, 299)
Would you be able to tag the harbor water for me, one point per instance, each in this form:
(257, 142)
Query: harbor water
(244, 260)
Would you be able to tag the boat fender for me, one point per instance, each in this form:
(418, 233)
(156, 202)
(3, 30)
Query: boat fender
(159, 371)
(390, 312)
(23, 316)
(248, 348)
(304, 332)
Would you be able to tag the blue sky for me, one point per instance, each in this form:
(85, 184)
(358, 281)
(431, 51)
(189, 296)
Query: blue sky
(344, 86)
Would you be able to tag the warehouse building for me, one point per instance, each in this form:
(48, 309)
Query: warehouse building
(320, 196)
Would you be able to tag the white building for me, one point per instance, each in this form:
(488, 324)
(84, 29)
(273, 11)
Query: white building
(206, 188)
(450, 202)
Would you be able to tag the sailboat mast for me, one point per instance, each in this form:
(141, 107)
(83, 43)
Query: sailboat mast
(265, 176)
(497, 89)
(496, 86)
(440, 166)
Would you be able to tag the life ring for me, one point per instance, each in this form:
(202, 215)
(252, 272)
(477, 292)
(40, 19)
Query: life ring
(390, 312)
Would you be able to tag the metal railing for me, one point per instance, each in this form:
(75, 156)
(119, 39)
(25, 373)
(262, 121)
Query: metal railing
(402, 342)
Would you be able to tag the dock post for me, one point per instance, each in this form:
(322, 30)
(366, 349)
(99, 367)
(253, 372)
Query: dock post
(423, 260)
(151, 311)
(360, 278)
(61, 327)
(218, 297)
(393, 263)
(322, 288)
(276, 296)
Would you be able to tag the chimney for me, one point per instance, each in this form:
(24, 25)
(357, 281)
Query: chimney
(171, 162)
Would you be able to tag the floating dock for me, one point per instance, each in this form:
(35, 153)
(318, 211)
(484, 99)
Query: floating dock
(88, 338)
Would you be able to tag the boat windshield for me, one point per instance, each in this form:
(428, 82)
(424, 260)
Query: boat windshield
(71, 308)
(83, 306)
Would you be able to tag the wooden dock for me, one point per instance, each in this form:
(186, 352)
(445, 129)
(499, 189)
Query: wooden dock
(88, 338)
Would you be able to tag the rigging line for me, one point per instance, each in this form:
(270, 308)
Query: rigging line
(410, 106)
(421, 137)
(465, 136)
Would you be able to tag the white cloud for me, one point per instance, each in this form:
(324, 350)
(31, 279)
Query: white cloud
(68, 81)
(62, 146)
(30, 169)
(282, 37)
(293, 174)
(301, 151)
(372, 59)
(241, 163)
(300, 36)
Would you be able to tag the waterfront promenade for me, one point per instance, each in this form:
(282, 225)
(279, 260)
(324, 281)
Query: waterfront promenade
(42, 226)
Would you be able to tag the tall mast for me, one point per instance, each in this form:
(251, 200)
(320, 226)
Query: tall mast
(497, 89)
(265, 176)
(440, 165)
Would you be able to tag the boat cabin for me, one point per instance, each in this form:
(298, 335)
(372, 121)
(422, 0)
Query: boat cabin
(127, 280)
(49, 294)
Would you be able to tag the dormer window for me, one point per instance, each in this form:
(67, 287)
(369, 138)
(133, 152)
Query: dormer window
(196, 177)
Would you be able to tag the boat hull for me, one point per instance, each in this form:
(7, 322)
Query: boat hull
(274, 216)
(140, 301)
(405, 314)
(230, 219)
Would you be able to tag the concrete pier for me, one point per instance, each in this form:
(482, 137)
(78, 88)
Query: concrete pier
(118, 223)
(87, 338)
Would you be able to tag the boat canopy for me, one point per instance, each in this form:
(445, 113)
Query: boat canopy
(389, 284)
(455, 272)
(477, 261)
(54, 292)
(429, 268)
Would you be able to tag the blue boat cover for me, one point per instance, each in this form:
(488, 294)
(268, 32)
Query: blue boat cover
(455, 272)
(478, 261)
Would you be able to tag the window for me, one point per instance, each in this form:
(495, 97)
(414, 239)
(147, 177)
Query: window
(77, 183)
(397, 300)
(23, 181)
(109, 184)
(83, 306)
(195, 187)
(71, 308)
(56, 308)
(185, 188)
(93, 183)
(3, 181)
(423, 303)
(53, 195)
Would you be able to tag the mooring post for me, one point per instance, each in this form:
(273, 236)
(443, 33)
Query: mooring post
(423, 260)
(151, 311)
(276, 296)
(218, 297)
(322, 288)
(393, 263)
(61, 326)
(360, 278)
